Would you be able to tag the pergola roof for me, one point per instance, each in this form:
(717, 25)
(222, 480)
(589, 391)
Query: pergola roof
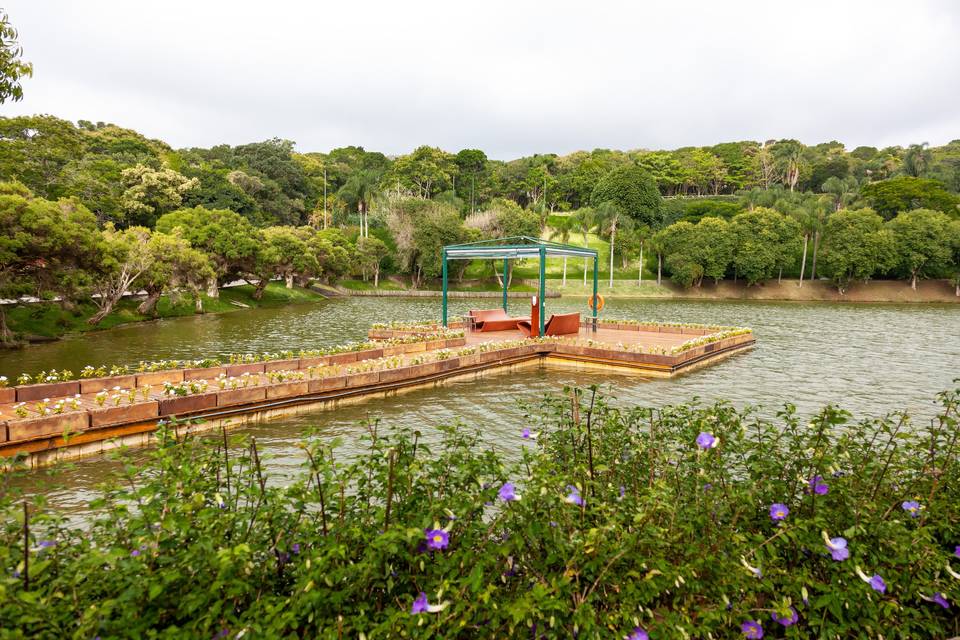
(514, 247)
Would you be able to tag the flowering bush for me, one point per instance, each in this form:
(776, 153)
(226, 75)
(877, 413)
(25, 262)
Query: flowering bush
(681, 522)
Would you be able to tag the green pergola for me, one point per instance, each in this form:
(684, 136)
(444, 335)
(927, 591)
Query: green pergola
(514, 248)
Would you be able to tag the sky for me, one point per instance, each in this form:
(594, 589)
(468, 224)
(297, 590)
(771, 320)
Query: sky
(513, 78)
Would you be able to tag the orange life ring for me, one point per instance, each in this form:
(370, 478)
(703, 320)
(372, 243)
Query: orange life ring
(596, 302)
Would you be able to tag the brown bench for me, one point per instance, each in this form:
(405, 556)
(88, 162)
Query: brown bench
(494, 320)
(559, 324)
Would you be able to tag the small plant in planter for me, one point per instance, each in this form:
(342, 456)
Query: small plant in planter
(21, 410)
(117, 370)
(24, 378)
(145, 392)
(3, 382)
(75, 402)
(100, 398)
(41, 406)
(116, 399)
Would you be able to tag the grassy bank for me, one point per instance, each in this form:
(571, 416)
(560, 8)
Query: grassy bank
(50, 320)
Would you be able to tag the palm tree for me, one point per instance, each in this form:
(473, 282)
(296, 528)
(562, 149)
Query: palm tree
(609, 217)
(562, 229)
(916, 160)
(583, 220)
(360, 190)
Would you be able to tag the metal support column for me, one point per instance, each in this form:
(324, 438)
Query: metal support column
(506, 266)
(444, 287)
(596, 265)
(543, 281)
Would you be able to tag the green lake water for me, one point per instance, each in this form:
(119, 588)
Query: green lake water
(870, 359)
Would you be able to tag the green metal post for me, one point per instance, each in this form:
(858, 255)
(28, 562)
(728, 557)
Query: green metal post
(506, 266)
(444, 287)
(543, 280)
(595, 269)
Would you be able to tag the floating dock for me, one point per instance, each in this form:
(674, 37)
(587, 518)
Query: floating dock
(76, 418)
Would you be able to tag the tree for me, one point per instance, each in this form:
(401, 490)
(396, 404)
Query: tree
(283, 253)
(764, 241)
(563, 226)
(46, 248)
(903, 193)
(125, 258)
(174, 265)
(922, 243)
(12, 65)
(916, 160)
(226, 237)
(857, 246)
(954, 238)
(371, 252)
(633, 191)
(713, 246)
(609, 218)
(426, 171)
(358, 192)
(472, 163)
(152, 192)
(583, 220)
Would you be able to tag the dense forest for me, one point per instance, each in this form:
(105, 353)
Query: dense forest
(91, 210)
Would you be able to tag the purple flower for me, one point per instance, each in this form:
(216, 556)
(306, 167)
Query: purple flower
(779, 511)
(752, 629)
(437, 539)
(525, 434)
(46, 544)
(135, 553)
(913, 507)
(420, 605)
(623, 492)
(707, 487)
(706, 440)
(956, 551)
(838, 549)
(223, 633)
(877, 584)
(574, 496)
(940, 600)
(788, 620)
(507, 493)
(295, 548)
(818, 486)
(638, 634)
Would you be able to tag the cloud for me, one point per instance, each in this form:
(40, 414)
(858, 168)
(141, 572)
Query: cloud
(512, 78)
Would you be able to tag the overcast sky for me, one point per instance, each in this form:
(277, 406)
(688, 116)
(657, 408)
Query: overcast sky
(512, 78)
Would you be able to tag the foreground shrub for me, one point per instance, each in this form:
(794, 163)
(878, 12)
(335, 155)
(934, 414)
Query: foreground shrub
(681, 522)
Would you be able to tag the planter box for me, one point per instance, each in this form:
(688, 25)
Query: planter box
(433, 345)
(427, 369)
(204, 373)
(50, 390)
(140, 412)
(414, 347)
(96, 385)
(282, 365)
(455, 342)
(394, 350)
(32, 428)
(3, 431)
(241, 396)
(449, 364)
(344, 358)
(234, 370)
(362, 379)
(327, 384)
(159, 377)
(8, 395)
(471, 360)
(287, 390)
(396, 375)
(187, 404)
(490, 356)
(314, 361)
(369, 354)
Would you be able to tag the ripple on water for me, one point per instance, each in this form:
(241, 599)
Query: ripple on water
(870, 359)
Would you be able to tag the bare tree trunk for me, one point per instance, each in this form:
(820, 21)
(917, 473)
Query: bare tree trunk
(289, 278)
(803, 261)
(913, 281)
(149, 305)
(640, 270)
(6, 336)
(613, 238)
(197, 301)
(213, 291)
(659, 269)
(780, 276)
(376, 277)
(261, 285)
(564, 271)
(107, 303)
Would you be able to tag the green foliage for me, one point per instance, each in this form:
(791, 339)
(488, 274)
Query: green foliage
(764, 240)
(857, 246)
(12, 65)
(919, 242)
(620, 521)
(226, 237)
(903, 193)
(633, 191)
